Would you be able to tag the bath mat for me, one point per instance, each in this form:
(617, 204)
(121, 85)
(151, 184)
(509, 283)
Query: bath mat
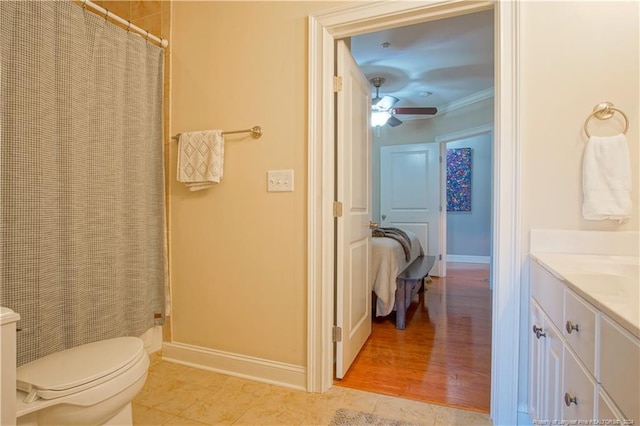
(346, 417)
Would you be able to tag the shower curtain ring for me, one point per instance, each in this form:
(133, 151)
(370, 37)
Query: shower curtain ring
(147, 36)
(84, 3)
(128, 26)
(106, 14)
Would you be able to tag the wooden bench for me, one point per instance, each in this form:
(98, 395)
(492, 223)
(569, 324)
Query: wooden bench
(408, 284)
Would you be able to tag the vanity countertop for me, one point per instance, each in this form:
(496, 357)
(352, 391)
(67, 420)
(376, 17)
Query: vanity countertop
(610, 283)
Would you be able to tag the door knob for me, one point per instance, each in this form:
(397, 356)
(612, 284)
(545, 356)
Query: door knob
(373, 225)
(384, 216)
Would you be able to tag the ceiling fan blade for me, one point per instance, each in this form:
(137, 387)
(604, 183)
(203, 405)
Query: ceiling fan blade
(393, 121)
(416, 110)
(386, 102)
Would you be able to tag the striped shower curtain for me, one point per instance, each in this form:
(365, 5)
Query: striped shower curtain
(82, 237)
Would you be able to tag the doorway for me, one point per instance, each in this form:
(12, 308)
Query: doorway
(444, 355)
(324, 29)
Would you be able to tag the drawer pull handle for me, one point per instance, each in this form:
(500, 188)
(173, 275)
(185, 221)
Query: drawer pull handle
(571, 327)
(538, 332)
(568, 399)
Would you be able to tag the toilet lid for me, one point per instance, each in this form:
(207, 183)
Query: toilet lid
(78, 368)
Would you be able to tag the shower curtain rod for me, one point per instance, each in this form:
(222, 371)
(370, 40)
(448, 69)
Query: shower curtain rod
(130, 27)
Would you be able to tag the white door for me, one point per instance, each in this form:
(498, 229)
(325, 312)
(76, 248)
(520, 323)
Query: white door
(353, 239)
(410, 193)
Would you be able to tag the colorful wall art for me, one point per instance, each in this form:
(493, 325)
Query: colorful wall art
(459, 180)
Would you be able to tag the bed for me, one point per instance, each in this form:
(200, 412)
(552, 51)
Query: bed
(388, 260)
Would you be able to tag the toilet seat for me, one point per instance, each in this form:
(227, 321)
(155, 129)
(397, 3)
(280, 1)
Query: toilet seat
(79, 368)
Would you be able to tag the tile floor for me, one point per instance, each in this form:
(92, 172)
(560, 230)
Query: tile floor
(175, 394)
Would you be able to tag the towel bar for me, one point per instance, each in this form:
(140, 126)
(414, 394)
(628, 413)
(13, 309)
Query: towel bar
(256, 132)
(604, 111)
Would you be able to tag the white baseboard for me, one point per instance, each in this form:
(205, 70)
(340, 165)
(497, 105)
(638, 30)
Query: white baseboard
(461, 258)
(524, 418)
(246, 367)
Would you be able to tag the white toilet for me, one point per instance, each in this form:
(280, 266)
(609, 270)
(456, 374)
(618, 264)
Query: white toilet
(91, 384)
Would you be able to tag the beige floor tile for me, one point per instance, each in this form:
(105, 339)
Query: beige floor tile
(145, 416)
(220, 407)
(280, 406)
(338, 397)
(406, 410)
(183, 421)
(273, 415)
(453, 416)
(175, 394)
(169, 369)
(205, 378)
(172, 398)
(250, 387)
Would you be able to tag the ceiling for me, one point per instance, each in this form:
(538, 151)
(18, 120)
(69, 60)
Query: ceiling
(430, 64)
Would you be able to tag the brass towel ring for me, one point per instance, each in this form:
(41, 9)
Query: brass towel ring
(604, 111)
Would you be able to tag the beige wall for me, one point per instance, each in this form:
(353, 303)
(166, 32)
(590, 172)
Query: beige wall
(574, 55)
(238, 252)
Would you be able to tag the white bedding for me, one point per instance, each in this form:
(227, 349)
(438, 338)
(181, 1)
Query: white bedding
(387, 261)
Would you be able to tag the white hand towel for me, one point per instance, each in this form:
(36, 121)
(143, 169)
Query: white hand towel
(200, 159)
(606, 179)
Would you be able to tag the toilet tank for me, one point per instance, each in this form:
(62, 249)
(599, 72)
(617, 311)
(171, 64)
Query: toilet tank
(8, 320)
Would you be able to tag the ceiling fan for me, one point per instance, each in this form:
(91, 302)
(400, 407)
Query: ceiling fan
(382, 111)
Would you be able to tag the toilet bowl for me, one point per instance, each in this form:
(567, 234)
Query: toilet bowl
(91, 384)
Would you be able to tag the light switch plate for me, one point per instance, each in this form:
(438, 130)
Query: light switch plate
(280, 180)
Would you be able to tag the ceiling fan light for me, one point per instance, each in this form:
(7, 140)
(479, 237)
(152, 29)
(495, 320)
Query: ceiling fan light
(379, 118)
(386, 102)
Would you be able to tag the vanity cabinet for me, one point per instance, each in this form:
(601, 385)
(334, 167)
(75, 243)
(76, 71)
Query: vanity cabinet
(583, 365)
(546, 347)
(545, 367)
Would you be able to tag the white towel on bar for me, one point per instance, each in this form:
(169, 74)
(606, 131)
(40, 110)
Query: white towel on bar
(200, 158)
(606, 179)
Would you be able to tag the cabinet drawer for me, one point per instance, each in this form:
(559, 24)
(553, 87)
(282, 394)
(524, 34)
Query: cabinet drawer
(607, 409)
(580, 328)
(579, 390)
(620, 367)
(548, 291)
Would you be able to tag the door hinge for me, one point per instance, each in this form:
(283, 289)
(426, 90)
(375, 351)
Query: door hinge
(337, 209)
(440, 159)
(336, 334)
(439, 208)
(337, 83)
(439, 257)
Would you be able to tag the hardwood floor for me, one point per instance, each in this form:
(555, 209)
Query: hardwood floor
(444, 355)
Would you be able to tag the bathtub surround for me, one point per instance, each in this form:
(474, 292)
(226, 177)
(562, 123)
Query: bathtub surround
(83, 244)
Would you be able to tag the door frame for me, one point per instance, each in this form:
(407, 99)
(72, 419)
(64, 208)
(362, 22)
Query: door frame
(358, 18)
(442, 141)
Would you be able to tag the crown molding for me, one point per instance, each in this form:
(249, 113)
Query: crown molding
(480, 96)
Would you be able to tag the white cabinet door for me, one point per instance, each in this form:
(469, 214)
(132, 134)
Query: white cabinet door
(553, 372)
(536, 365)
(545, 367)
